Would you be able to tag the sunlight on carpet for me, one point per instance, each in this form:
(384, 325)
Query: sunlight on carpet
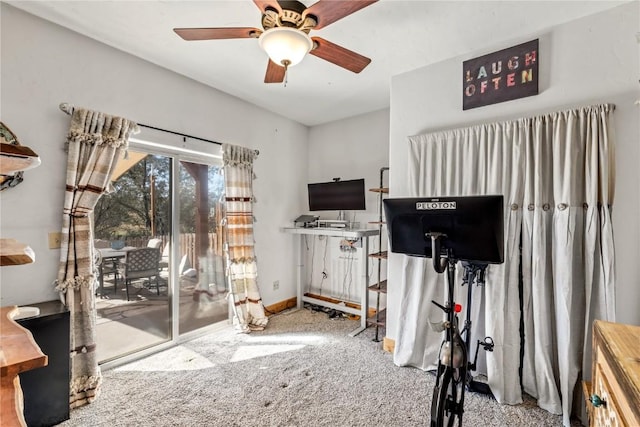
(246, 352)
(289, 338)
(174, 359)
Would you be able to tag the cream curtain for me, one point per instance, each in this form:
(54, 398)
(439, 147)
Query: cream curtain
(95, 142)
(557, 176)
(242, 266)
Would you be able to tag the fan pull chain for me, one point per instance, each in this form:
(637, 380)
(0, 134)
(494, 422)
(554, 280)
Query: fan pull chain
(286, 63)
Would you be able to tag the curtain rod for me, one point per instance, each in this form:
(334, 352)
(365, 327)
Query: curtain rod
(68, 109)
(179, 134)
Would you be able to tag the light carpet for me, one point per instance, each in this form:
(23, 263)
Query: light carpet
(302, 370)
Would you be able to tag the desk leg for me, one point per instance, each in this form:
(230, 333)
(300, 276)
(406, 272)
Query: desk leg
(364, 297)
(300, 265)
(12, 402)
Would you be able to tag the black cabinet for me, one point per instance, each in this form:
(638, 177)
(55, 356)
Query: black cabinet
(46, 390)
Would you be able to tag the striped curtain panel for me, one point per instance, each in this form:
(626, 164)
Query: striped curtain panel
(248, 312)
(95, 142)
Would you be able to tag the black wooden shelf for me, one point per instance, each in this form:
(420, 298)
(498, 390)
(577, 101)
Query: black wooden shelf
(379, 255)
(382, 288)
(380, 190)
(380, 319)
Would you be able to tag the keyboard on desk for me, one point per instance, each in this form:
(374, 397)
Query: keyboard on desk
(331, 223)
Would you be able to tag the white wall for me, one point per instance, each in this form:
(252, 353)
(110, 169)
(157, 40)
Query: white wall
(43, 65)
(591, 60)
(352, 148)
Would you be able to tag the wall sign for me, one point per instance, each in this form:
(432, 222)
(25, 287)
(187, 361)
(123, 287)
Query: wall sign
(501, 76)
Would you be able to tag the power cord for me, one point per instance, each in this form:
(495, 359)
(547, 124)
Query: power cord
(345, 289)
(313, 252)
(324, 264)
(330, 312)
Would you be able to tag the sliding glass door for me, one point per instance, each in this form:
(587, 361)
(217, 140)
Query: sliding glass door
(132, 225)
(202, 287)
(169, 208)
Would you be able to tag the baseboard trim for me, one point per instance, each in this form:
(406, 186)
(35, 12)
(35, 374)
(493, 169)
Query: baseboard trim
(388, 344)
(281, 306)
(292, 302)
(371, 312)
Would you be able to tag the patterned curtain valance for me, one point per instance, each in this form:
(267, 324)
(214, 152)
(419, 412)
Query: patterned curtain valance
(235, 155)
(93, 127)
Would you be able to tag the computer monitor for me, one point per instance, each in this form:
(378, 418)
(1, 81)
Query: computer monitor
(472, 226)
(337, 195)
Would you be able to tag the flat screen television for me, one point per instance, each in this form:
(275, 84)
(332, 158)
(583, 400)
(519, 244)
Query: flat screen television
(337, 196)
(472, 225)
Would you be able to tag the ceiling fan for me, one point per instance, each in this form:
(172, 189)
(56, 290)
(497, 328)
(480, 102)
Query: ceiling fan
(285, 34)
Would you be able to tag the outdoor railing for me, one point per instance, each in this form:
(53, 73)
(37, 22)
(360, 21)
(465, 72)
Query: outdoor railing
(187, 244)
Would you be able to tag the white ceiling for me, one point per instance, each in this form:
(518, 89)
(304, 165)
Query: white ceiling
(398, 36)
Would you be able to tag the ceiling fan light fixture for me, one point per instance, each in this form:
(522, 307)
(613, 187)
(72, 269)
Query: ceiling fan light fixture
(285, 46)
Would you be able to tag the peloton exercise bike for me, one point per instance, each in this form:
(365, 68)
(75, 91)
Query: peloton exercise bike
(451, 229)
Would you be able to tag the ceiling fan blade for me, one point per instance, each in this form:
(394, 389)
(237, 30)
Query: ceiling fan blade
(217, 33)
(329, 11)
(339, 55)
(263, 4)
(275, 73)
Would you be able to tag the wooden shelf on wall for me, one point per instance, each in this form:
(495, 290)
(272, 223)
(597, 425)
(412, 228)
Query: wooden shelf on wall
(16, 158)
(379, 287)
(379, 320)
(379, 255)
(13, 252)
(380, 190)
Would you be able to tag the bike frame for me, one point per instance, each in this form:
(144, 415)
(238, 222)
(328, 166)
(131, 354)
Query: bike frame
(444, 403)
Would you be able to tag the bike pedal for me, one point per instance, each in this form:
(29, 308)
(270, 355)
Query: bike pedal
(487, 344)
(479, 387)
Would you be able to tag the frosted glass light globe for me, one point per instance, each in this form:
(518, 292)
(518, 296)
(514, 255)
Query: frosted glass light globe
(285, 46)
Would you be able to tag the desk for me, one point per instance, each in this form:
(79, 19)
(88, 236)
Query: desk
(18, 353)
(615, 376)
(346, 233)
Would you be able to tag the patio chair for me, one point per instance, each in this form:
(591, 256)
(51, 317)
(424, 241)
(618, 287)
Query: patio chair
(164, 259)
(141, 263)
(154, 243)
(105, 267)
